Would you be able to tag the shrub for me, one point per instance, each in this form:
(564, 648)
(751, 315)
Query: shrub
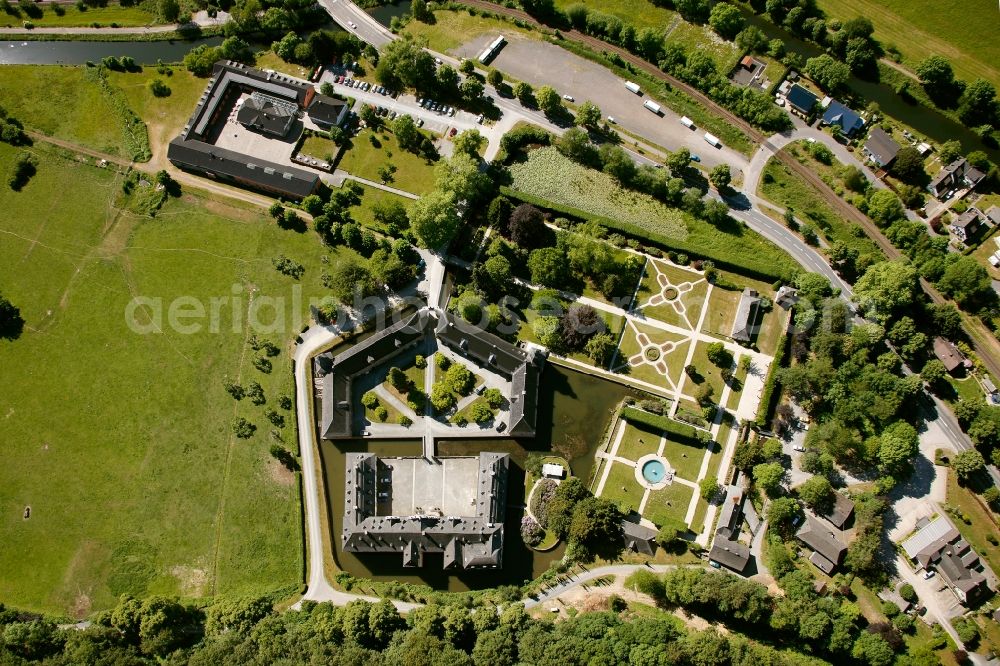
(531, 532)
(420, 362)
(545, 491)
(158, 88)
(679, 432)
(908, 593)
(493, 397)
(369, 400)
(481, 413)
(381, 413)
(235, 390)
(243, 428)
(405, 421)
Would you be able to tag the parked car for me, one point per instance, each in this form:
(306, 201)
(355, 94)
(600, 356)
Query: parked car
(569, 98)
(453, 132)
(799, 448)
(928, 575)
(393, 114)
(695, 158)
(420, 101)
(451, 110)
(420, 122)
(480, 119)
(611, 119)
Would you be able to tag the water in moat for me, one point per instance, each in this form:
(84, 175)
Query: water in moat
(81, 52)
(385, 13)
(574, 412)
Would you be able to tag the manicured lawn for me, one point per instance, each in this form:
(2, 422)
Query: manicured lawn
(392, 413)
(692, 300)
(711, 373)
(671, 503)
(919, 28)
(113, 13)
(454, 28)
(734, 395)
(269, 60)
(621, 486)
(362, 213)
(674, 360)
(686, 460)
(636, 443)
(73, 106)
(363, 158)
(319, 147)
(722, 306)
(125, 451)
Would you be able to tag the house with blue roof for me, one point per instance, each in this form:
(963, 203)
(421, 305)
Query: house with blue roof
(801, 99)
(838, 114)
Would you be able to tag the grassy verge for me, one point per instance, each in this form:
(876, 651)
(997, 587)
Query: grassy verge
(783, 188)
(452, 28)
(173, 35)
(72, 16)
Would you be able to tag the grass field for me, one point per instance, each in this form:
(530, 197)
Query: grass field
(319, 147)
(362, 213)
(644, 14)
(123, 16)
(451, 29)
(686, 460)
(622, 488)
(671, 503)
(636, 443)
(363, 158)
(963, 32)
(165, 117)
(548, 175)
(135, 480)
(73, 107)
(269, 60)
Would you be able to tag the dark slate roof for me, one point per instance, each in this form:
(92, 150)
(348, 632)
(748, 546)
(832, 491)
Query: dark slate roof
(325, 110)
(639, 538)
(818, 537)
(838, 114)
(881, 146)
(730, 554)
(842, 509)
(746, 315)
(230, 165)
(265, 116)
(969, 221)
(947, 353)
(801, 99)
(474, 542)
(380, 347)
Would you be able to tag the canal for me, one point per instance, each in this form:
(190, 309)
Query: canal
(574, 412)
(385, 13)
(81, 52)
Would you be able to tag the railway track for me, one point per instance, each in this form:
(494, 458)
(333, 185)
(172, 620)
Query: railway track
(984, 343)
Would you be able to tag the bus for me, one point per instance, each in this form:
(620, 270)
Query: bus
(492, 49)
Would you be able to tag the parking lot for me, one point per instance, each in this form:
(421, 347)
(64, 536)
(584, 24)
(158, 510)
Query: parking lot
(435, 122)
(541, 63)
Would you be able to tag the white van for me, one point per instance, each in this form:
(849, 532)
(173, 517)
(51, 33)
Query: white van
(634, 87)
(652, 106)
(713, 140)
(687, 122)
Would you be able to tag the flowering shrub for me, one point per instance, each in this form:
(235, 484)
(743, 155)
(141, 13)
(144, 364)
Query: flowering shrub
(540, 500)
(531, 531)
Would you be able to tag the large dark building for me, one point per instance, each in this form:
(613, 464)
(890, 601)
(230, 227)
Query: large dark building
(272, 107)
(336, 372)
(381, 514)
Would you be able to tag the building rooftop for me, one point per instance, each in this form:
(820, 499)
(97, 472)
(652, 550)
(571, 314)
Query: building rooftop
(841, 511)
(882, 148)
(842, 116)
(948, 354)
(639, 538)
(267, 114)
(801, 99)
(821, 539)
(326, 110)
(413, 506)
(745, 323)
(939, 545)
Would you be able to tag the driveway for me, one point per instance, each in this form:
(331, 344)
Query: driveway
(541, 63)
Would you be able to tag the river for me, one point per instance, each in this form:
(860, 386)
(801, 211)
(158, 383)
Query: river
(574, 409)
(80, 52)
